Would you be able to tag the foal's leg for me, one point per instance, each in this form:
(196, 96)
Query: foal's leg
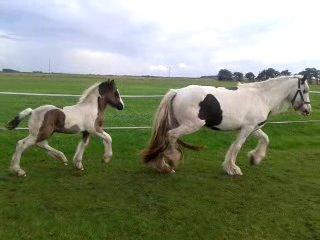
(107, 142)
(229, 164)
(259, 153)
(77, 159)
(22, 145)
(53, 152)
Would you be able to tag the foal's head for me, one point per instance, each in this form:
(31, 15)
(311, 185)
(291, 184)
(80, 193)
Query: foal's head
(109, 94)
(301, 100)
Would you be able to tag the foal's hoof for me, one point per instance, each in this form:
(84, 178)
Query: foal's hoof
(18, 171)
(21, 173)
(79, 166)
(106, 159)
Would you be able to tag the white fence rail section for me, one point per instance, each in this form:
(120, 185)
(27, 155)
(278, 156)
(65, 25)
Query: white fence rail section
(73, 95)
(148, 127)
(131, 96)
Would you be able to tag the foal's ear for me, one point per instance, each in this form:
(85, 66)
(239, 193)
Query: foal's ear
(103, 87)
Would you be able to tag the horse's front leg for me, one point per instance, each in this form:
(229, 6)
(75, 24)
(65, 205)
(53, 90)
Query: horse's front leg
(259, 153)
(107, 142)
(83, 144)
(229, 164)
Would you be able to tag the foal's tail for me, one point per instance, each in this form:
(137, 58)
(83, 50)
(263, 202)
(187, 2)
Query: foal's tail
(164, 121)
(16, 121)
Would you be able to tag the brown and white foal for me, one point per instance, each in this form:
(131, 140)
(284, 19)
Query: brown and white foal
(85, 117)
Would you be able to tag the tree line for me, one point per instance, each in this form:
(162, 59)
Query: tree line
(227, 75)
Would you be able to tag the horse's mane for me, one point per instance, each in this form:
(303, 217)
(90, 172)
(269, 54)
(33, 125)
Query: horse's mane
(267, 83)
(88, 92)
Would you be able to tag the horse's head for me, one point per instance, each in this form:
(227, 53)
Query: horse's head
(109, 93)
(301, 100)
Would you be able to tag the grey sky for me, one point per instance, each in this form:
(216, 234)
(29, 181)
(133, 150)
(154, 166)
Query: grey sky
(146, 37)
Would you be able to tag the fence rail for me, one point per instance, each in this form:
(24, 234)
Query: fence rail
(75, 95)
(148, 127)
(131, 96)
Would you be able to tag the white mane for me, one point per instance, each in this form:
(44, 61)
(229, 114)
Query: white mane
(88, 92)
(265, 84)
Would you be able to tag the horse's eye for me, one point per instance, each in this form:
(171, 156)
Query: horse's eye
(116, 94)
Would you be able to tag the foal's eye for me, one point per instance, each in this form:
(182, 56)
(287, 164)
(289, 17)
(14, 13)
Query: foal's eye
(116, 94)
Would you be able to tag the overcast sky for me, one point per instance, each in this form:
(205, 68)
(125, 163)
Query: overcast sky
(145, 37)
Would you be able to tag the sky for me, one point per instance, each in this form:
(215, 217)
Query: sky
(146, 37)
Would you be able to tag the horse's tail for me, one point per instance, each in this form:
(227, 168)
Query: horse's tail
(164, 121)
(16, 121)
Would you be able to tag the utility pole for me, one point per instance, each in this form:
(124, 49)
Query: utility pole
(169, 71)
(49, 70)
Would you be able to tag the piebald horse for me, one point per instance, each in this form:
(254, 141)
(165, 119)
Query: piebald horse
(244, 109)
(86, 117)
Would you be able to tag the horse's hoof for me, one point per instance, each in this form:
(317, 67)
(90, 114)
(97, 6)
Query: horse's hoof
(254, 159)
(232, 171)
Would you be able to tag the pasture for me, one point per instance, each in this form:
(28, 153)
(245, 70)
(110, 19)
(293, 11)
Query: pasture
(279, 199)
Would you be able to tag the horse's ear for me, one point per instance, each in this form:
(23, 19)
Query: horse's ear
(112, 83)
(304, 78)
(103, 87)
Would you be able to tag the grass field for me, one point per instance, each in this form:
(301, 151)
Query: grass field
(280, 199)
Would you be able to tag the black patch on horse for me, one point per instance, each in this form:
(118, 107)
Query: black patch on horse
(210, 111)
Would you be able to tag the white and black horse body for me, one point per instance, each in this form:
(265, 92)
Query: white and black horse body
(245, 109)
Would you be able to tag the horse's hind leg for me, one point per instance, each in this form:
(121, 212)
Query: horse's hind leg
(53, 152)
(259, 153)
(22, 145)
(77, 159)
(173, 153)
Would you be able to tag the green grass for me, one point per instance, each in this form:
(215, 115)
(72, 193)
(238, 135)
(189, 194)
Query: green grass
(280, 199)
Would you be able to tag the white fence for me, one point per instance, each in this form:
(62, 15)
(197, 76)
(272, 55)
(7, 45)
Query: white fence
(133, 96)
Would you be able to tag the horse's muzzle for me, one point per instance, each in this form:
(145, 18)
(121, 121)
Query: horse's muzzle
(119, 106)
(305, 112)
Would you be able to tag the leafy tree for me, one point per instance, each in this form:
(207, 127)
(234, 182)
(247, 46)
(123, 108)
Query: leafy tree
(267, 73)
(285, 73)
(250, 76)
(224, 75)
(8, 70)
(238, 76)
(310, 73)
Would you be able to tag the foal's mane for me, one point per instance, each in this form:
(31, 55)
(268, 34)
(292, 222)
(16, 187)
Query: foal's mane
(265, 84)
(88, 92)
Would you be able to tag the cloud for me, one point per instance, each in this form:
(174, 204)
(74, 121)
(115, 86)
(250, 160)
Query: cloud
(145, 37)
(158, 68)
(182, 65)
